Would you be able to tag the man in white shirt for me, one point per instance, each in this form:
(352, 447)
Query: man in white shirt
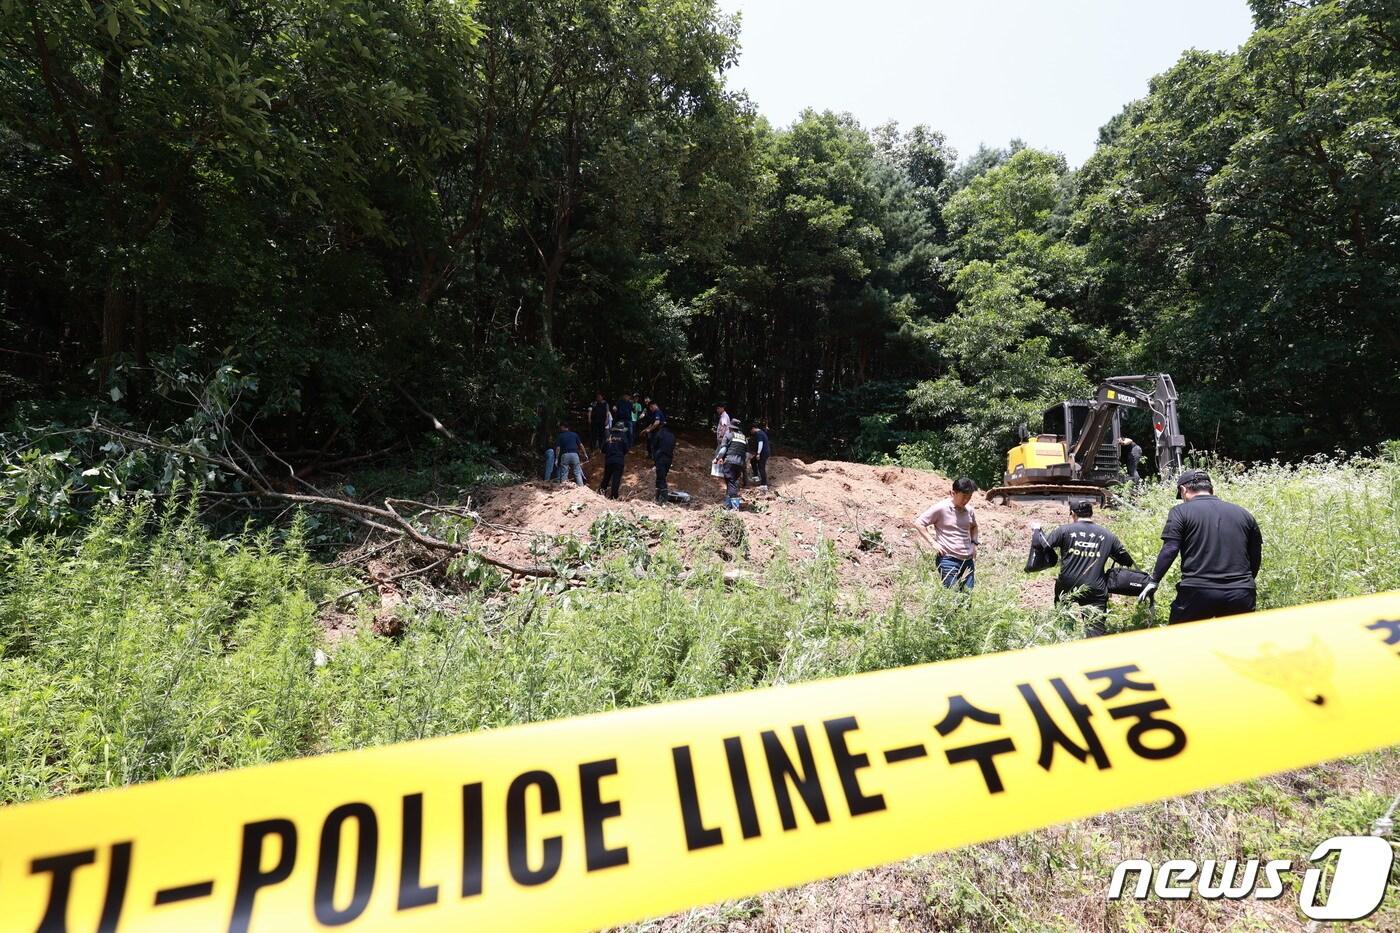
(721, 438)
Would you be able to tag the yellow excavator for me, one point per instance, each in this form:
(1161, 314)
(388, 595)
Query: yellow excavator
(1076, 455)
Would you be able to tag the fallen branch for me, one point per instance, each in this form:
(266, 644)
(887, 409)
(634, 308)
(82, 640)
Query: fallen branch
(387, 520)
(385, 581)
(358, 558)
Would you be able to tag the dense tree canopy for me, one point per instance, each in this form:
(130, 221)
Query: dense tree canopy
(1244, 219)
(381, 208)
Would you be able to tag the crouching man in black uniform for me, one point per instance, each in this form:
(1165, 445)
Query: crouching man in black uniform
(1221, 550)
(1085, 548)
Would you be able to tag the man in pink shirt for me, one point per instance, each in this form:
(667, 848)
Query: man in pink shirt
(950, 528)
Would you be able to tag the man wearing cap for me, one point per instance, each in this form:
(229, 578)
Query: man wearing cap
(651, 424)
(614, 461)
(1221, 549)
(1085, 548)
(731, 459)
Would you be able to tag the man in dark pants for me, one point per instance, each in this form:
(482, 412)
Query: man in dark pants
(1130, 453)
(1221, 549)
(759, 455)
(655, 420)
(643, 422)
(598, 422)
(614, 459)
(732, 458)
(663, 452)
(1085, 548)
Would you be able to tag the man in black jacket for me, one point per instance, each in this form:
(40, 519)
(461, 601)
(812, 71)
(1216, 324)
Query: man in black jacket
(732, 458)
(1085, 548)
(1221, 550)
(663, 452)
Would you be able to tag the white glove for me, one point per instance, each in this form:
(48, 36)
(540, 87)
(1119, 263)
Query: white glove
(1146, 595)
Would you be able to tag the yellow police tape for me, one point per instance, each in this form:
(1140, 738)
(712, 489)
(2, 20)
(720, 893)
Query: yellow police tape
(587, 822)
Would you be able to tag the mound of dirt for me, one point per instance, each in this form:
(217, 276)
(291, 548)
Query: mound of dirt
(807, 503)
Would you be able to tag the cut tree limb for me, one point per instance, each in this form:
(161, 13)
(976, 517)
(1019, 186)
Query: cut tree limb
(387, 520)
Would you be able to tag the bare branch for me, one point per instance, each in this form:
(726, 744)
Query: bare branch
(369, 586)
(387, 520)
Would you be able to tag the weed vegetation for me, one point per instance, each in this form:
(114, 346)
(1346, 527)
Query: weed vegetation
(144, 647)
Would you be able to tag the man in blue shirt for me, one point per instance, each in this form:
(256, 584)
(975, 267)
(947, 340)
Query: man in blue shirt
(655, 418)
(566, 451)
(614, 458)
(759, 453)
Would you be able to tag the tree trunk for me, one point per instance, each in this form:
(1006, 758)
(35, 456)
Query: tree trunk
(115, 312)
(551, 293)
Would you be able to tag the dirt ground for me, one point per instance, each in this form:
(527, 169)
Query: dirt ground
(807, 503)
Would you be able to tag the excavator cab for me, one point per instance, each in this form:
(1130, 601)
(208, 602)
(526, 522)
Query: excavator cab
(1071, 418)
(1039, 457)
(1076, 453)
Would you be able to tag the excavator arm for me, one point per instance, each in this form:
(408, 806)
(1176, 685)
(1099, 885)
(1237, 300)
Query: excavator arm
(1044, 467)
(1155, 394)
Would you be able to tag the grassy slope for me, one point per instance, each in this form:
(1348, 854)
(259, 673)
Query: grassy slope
(144, 649)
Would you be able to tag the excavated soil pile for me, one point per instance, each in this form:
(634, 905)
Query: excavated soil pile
(807, 503)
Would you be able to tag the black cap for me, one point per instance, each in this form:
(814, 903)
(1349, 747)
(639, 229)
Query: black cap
(1081, 507)
(1191, 476)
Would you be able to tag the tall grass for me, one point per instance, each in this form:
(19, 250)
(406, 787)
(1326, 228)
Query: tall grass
(145, 648)
(1330, 529)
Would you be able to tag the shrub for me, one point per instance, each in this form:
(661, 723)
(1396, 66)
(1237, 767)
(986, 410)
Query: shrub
(144, 649)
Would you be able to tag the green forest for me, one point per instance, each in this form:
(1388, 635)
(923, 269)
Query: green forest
(291, 289)
(359, 212)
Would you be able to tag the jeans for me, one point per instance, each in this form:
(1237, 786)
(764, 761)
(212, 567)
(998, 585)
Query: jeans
(549, 464)
(956, 572)
(567, 462)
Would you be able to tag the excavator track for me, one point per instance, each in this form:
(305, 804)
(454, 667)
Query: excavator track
(1001, 495)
